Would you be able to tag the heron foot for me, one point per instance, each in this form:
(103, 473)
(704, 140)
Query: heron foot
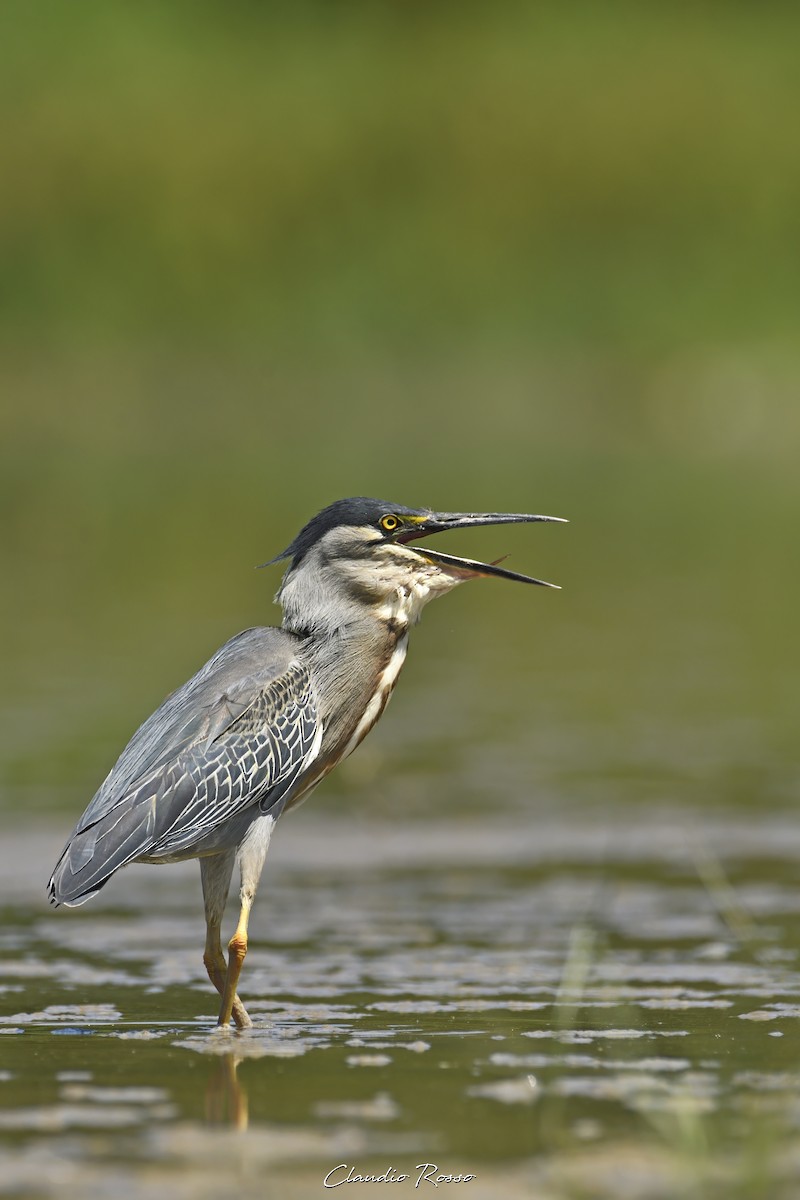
(217, 970)
(232, 1007)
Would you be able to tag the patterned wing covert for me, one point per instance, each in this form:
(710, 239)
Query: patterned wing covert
(255, 760)
(242, 741)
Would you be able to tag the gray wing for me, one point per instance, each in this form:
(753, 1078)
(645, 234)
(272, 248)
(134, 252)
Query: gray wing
(237, 734)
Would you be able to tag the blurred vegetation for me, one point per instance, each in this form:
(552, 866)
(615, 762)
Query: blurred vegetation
(391, 177)
(253, 257)
(519, 255)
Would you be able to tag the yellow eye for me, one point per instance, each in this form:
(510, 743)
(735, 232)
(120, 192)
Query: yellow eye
(389, 523)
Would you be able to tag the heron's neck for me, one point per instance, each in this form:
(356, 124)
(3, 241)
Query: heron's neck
(320, 606)
(354, 664)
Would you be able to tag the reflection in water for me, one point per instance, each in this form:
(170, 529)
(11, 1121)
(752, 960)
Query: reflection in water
(226, 1098)
(562, 990)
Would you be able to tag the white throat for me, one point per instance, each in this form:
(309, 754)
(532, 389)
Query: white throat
(404, 606)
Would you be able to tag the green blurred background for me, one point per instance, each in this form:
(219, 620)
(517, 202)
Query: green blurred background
(255, 257)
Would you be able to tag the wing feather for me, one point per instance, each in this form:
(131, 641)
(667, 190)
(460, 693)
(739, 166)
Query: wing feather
(237, 734)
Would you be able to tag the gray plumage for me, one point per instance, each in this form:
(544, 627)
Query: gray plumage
(262, 723)
(236, 735)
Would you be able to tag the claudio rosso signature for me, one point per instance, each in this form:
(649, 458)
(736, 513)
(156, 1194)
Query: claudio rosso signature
(426, 1173)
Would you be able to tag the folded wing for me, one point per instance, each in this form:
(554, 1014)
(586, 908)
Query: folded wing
(238, 734)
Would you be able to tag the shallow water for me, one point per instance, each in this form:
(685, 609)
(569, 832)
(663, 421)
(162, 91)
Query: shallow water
(543, 928)
(592, 1007)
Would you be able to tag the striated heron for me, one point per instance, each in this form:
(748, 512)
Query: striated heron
(263, 722)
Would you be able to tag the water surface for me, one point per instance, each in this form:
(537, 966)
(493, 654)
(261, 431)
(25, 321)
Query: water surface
(548, 1006)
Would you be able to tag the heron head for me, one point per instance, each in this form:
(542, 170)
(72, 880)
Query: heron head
(364, 552)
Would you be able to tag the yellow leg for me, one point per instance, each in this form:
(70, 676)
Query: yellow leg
(215, 874)
(217, 969)
(237, 949)
(251, 853)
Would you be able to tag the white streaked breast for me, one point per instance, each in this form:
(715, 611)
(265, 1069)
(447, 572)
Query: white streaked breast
(380, 698)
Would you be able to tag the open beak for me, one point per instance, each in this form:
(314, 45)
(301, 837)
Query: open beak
(467, 568)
